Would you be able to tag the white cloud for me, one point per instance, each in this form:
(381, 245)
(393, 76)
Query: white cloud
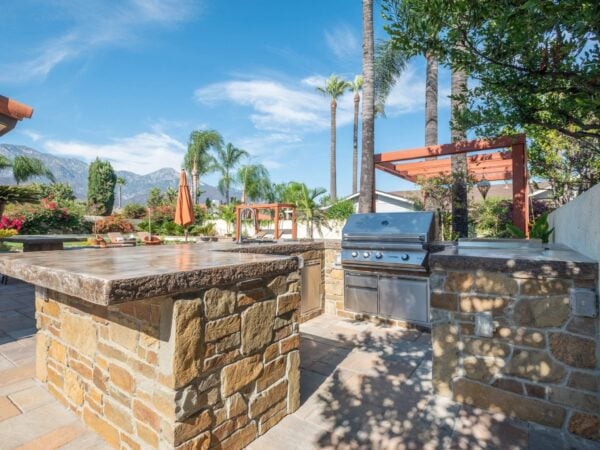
(343, 41)
(34, 136)
(278, 107)
(142, 153)
(408, 94)
(95, 25)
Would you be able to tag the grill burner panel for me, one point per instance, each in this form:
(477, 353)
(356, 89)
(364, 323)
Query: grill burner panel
(406, 258)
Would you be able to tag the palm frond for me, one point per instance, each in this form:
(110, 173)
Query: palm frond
(389, 65)
(25, 168)
(20, 194)
(334, 87)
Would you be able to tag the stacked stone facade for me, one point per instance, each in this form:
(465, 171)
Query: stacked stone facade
(212, 369)
(541, 363)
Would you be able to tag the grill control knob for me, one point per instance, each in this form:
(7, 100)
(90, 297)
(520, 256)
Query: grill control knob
(405, 257)
(366, 254)
(354, 254)
(378, 255)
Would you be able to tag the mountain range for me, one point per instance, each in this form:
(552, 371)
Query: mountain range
(74, 172)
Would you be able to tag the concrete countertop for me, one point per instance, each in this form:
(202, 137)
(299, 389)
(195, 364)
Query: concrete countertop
(550, 260)
(116, 275)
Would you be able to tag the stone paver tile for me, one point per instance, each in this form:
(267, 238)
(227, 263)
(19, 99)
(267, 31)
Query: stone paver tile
(20, 353)
(18, 373)
(31, 398)
(292, 433)
(5, 363)
(21, 429)
(7, 410)
(56, 438)
(309, 383)
(24, 332)
(476, 428)
(372, 364)
(17, 386)
(87, 441)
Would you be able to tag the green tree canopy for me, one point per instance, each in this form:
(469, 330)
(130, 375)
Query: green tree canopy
(101, 187)
(534, 62)
(255, 182)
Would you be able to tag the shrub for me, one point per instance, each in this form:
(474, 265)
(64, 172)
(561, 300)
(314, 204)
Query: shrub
(113, 224)
(101, 187)
(340, 210)
(47, 218)
(15, 224)
(208, 229)
(8, 232)
(491, 217)
(135, 211)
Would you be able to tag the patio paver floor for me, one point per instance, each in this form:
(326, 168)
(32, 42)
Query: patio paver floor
(362, 386)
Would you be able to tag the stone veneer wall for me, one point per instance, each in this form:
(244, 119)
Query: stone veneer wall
(541, 363)
(214, 369)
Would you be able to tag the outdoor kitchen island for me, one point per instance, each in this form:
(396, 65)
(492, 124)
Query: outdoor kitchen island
(172, 346)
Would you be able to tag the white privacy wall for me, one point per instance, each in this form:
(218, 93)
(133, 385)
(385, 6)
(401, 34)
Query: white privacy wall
(577, 224)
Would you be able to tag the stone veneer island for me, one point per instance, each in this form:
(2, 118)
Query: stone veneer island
(167, 347)
(541, 362)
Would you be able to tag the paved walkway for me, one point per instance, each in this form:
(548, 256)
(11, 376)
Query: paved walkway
(30, 418)
(363, 387)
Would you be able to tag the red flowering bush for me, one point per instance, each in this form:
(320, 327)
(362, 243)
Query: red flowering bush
(113, 224)
(6, 223)
(47, 217)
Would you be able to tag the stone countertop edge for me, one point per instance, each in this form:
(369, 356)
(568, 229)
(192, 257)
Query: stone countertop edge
(107, 292)
(518, 267)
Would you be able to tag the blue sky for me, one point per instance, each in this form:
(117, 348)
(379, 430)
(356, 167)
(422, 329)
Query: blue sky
(128, 80)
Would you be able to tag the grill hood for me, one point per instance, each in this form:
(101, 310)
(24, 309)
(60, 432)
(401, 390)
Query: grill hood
(408, 227)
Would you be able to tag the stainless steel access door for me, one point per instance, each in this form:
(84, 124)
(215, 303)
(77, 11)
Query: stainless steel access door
(404, 298)
(360, 292)
(311, 286)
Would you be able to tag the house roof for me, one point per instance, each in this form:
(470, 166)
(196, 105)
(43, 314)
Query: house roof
(14, 109)
(389, 195)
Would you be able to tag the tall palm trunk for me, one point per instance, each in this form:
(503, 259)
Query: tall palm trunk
(332, 168)
(367, 174)
(460, 213)
(195, 183)
(431, 101)
(120, 196)
(355, 145)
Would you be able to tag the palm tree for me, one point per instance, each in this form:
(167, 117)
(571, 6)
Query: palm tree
(431, 100)
(254, 179)
(25, 168)
(460, 213)
(121, 182)
(305, 200)
(198, 161)
(367, 175)
(356, 87)
(226, 160)
(389, 64)
(334, 88)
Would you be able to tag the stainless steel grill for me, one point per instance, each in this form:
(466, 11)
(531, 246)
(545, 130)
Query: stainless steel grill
(385, 257)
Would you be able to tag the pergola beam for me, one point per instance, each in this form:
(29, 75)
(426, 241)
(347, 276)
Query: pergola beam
(505, 165)
(455, 148)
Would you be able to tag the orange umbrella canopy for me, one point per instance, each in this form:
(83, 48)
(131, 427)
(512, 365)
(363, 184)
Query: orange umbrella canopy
(184, 213)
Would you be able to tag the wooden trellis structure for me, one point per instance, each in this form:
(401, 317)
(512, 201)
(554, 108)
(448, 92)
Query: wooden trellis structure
(503, 165)
(256, 208)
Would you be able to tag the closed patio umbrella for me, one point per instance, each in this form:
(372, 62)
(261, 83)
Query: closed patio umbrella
(184, 212)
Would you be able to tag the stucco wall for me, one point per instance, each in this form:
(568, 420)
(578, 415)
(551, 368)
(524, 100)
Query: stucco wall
(577, 224)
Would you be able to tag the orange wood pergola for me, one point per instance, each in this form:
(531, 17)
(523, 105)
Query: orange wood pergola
(276, 207)
(503, 165)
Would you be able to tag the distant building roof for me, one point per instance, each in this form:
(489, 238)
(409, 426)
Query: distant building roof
(12, 111)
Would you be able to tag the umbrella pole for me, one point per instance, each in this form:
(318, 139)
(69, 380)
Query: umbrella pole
(150, 223)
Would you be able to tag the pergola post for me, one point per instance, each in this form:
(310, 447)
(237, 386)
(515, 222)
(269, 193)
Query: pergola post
(238, 222)
(294, 225)
(520, 188)
(276, 230)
